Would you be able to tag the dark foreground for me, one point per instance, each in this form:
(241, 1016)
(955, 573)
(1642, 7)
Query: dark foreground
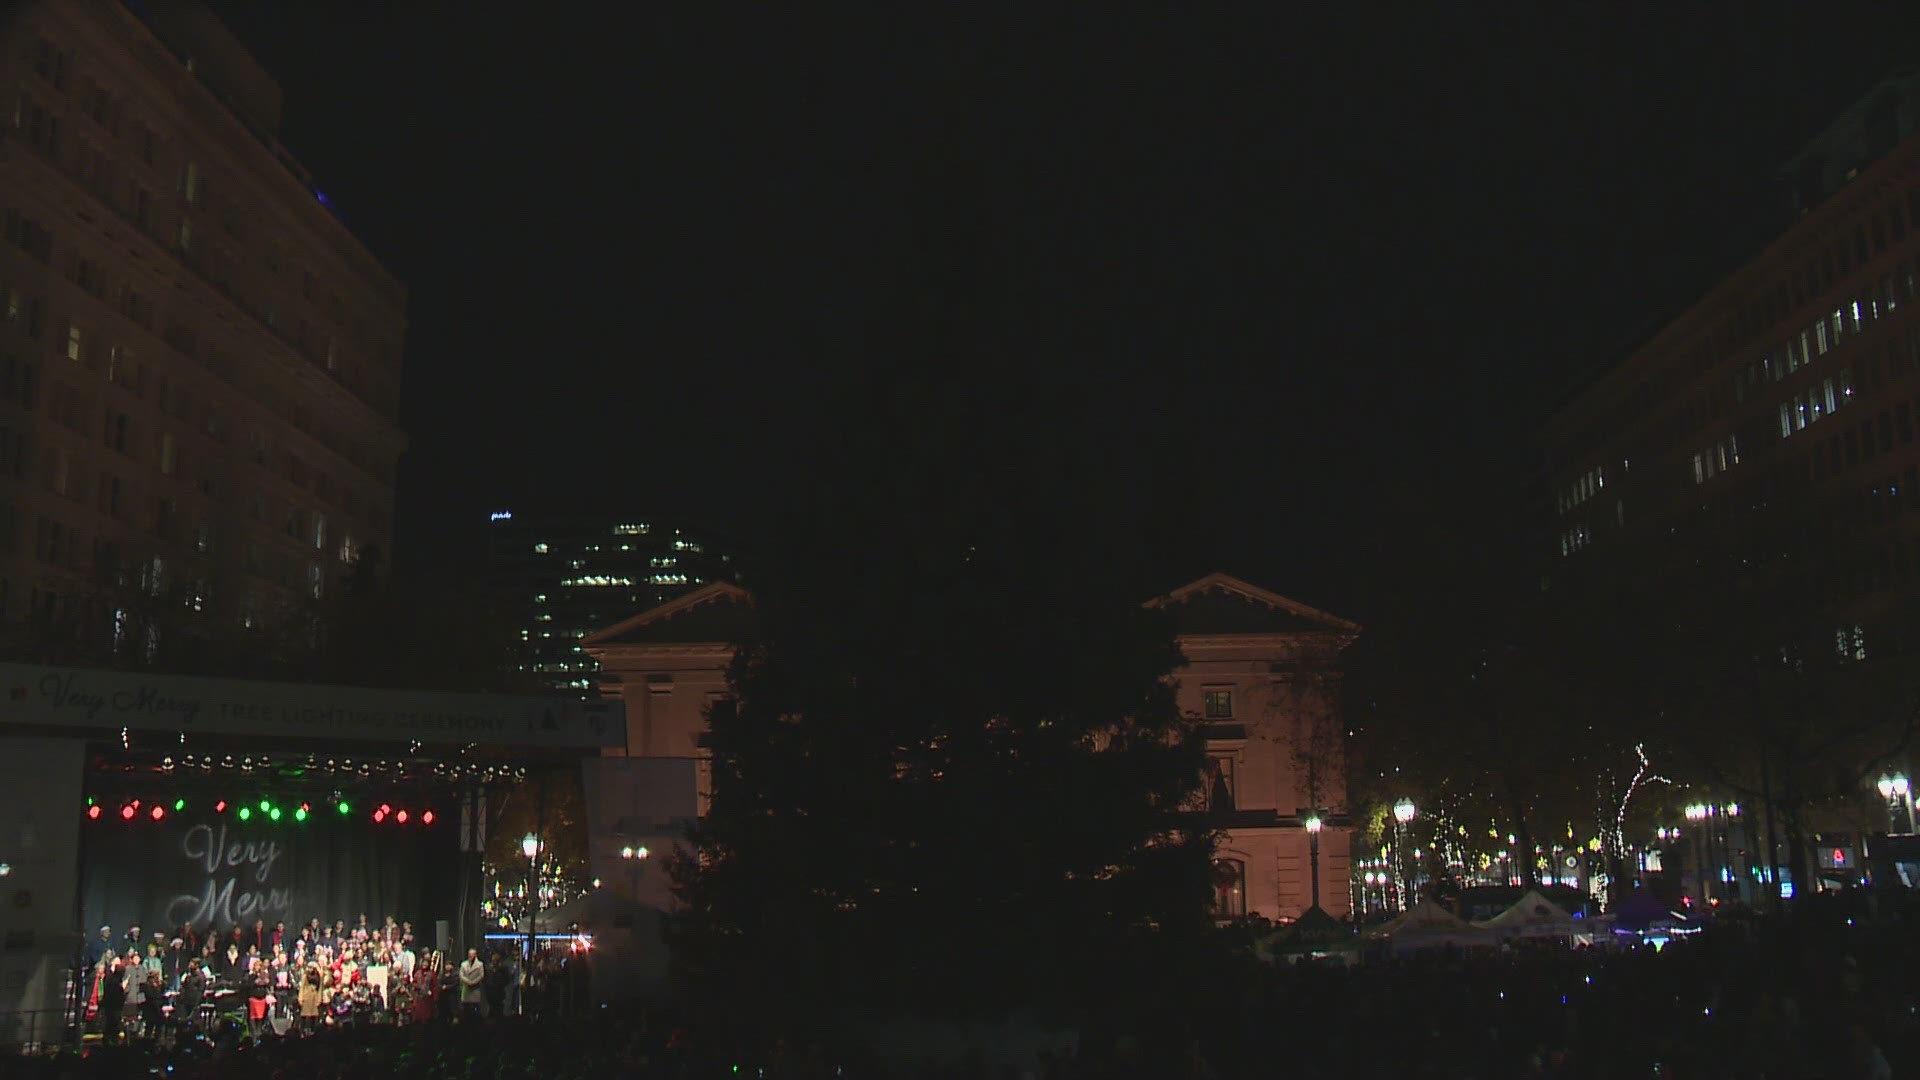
(1829, 993)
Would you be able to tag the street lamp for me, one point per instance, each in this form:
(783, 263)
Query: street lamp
(1897, 790)
(530, 847)
(1313, 845)
(1403, 813)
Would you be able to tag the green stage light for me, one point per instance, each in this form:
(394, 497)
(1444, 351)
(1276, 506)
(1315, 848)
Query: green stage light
(299, 815)
(274, 813)
(265, 806)
(179, 805)
(345, 807)
(246, 812)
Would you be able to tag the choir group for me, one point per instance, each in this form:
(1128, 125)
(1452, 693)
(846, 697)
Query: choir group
(282, 980)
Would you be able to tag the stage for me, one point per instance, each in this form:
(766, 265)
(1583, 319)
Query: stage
(129, 798)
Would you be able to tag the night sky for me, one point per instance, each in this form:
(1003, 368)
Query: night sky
(1311, 275)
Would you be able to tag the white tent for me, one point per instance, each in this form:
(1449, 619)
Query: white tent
(1429, 926)
(1532, 916)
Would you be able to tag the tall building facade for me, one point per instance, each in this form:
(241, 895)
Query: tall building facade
(1261, 681)
(559, 578)
(199, 363)
(1793, 382)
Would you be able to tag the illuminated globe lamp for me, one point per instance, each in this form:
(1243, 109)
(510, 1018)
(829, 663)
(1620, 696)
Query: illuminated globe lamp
(1403, 811)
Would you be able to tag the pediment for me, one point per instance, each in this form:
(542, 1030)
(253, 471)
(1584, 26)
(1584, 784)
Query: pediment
(720, 613)
(1221, 605)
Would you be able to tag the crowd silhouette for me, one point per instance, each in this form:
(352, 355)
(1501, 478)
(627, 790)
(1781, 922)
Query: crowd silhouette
(1825, 993)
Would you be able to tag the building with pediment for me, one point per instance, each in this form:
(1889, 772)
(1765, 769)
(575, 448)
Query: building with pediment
(1261, 679)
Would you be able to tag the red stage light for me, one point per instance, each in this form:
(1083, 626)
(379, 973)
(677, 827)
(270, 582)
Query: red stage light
(158, 811)
(379, 816)
(220, 807)
(426, 817)
(126, 812)
(386, 808)
(307, 807)
(401, 817)
(94, 812)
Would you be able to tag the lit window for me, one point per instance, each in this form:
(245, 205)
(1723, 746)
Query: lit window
(73, 342)
(1219, 704)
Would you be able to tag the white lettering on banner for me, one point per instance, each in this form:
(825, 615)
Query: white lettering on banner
(108, 699)
(218, 901)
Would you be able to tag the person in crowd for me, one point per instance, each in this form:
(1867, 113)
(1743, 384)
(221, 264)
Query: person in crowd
(113, 1001)
(99, 947)
(186, 1003)
(133, 983)
(312, 993)
(515, 974)
(153, 1000)
(132, 943)
(259, 988)
(473, 979)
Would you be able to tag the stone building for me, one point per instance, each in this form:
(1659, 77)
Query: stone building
(1261, 679)
(199, 363)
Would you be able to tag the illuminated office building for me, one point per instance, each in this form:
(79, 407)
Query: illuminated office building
(561, 577)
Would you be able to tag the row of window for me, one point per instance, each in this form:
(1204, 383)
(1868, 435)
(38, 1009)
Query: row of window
(1715, 460)
(1826, 333)
(1586, 486)
(1575, 538)
(1814, 403)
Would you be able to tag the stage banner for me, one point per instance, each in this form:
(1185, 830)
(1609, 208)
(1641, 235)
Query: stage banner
(214, 870)
(93, 701)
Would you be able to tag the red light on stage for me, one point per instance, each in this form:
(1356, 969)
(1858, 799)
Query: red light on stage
(126, 812)
(158, 812)
(426, 817)
(379, 815)
(93, 812)
(308, 807)
(401, 817)
(220, 807)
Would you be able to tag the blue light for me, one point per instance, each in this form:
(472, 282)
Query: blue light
(501, 515)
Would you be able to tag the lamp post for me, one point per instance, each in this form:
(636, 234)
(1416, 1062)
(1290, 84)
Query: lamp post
(1403, 814)
(1897, 791)
(634, 856)
(530, 847)
(1703, 848)
(1313, 850)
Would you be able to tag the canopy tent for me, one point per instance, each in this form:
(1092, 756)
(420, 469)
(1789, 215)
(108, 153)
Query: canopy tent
(1532, 916)
(1314, 932)
(1428, 925)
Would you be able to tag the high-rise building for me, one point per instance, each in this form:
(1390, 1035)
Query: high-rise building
(1792, 383)
(559, 578)
(199, 363)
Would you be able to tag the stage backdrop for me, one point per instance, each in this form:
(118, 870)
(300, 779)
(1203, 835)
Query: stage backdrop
(215, 870)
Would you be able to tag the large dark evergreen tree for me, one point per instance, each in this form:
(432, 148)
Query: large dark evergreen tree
(949, 782)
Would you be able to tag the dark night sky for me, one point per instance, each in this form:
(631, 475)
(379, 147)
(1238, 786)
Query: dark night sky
(1334, 260)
